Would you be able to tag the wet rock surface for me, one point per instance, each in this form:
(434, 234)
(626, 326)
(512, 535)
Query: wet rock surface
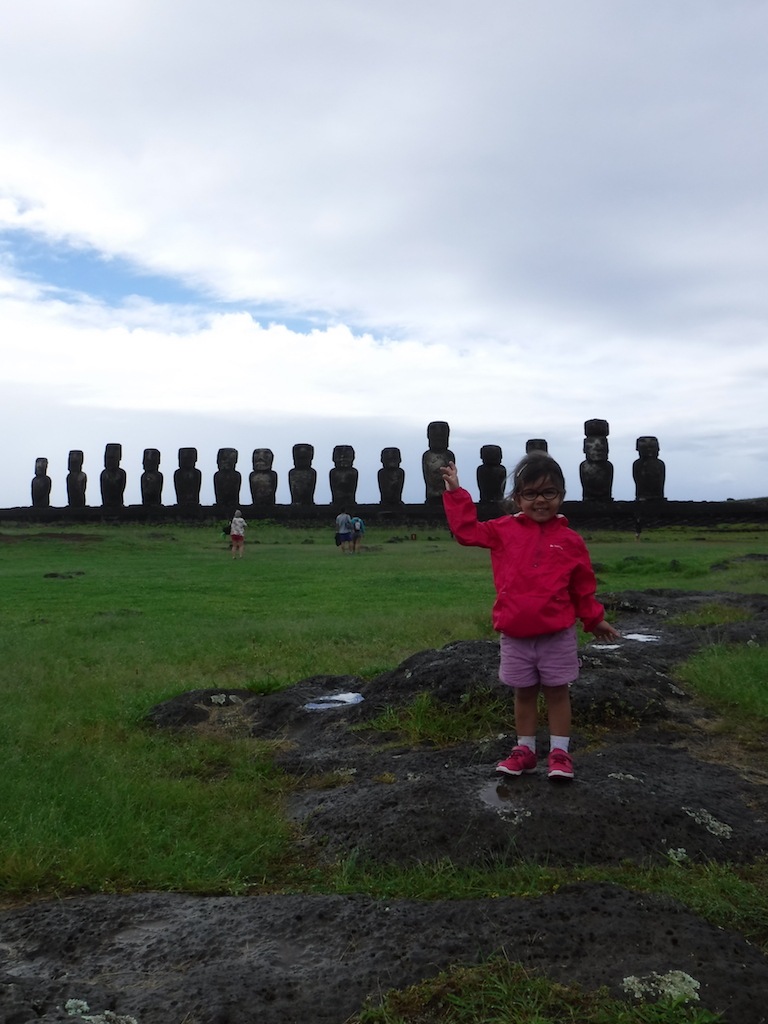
(651, 785)
(281, 959)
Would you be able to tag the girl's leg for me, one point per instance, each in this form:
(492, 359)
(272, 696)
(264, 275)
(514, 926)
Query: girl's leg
(558, 709)
(526, 710)
(522, 760)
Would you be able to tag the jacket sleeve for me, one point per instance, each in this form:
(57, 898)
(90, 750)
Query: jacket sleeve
(582, 590)
(461, 514)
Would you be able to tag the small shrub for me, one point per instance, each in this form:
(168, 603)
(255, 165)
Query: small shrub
(426, 720)
(714, 614)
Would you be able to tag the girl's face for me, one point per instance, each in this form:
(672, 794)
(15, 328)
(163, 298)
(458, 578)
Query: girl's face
(541, 500)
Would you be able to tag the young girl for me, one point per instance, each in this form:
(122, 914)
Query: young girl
(544, 582)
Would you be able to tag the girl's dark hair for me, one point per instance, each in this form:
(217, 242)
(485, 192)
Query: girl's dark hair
(529, 469)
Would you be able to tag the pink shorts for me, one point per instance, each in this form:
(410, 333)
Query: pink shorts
(550, 659)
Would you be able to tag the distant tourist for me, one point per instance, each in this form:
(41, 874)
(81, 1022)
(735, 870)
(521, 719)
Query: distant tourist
(237, 533)
(344, 532)
(358, 529)
(544, 582)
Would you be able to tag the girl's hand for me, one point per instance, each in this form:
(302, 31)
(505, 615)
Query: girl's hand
(605, 631)
(450, 476)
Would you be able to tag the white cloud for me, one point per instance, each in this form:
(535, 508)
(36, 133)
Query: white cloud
(511, 216)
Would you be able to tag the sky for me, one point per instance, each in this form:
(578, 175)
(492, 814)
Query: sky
(251, 224)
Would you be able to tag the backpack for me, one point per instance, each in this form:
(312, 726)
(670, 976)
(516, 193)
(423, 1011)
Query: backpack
(357, 525)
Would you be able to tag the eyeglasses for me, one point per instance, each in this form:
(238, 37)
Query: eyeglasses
(548, 494)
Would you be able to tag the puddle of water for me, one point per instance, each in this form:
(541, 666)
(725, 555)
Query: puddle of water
(500, 794)
(334, 700)
(643, 638)
(504, 798)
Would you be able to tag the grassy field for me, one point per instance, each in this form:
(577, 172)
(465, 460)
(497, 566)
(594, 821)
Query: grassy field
(100, 624)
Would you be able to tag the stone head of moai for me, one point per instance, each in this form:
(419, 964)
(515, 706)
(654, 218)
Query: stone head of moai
(490, 455)
(536, 444)
(41, 467)
(187, 458)
(596, 440)
(647, 447)
(75, 460)
(113, 453)
(303, 455)
(391, 458)
(343, 456)
(151, 461)
(438, 433)
(226, 459)
(262, 459)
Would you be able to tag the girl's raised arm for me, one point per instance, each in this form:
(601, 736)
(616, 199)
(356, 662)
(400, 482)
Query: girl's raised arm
(450, 476)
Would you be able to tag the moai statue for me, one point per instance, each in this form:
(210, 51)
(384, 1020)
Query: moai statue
(187, 479)
(343, 476)
(76, 480)
(112, 477)
(41, 485)
(596, 471)
(263, 479)
(226, 479)
(151, 478)
(391, 477)
(536, 444)
(491, 476)
(302, 479)
(649, 472)
(437, 455)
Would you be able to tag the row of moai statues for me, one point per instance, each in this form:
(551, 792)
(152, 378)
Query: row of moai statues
(596, 473)
(227, 481)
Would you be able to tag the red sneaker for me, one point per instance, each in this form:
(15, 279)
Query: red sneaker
(560, 764)
(521, 761)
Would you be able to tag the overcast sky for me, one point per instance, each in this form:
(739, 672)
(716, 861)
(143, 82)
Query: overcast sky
(252, 224)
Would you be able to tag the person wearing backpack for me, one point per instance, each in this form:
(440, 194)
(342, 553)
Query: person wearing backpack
(344, 533)
(358, 529)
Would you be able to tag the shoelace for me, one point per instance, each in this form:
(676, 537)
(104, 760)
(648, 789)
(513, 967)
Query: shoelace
(519, 752)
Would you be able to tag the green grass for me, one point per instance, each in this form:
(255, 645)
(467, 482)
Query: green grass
(681, 558)
(500, 992)
(479, 714)
(713, 613)
(94, 800)
(731, 679)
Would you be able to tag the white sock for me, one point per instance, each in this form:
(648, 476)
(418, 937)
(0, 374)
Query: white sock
(527, 741)
(561, 742)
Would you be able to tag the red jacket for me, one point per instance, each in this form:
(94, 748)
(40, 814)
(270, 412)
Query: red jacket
(542, 573)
